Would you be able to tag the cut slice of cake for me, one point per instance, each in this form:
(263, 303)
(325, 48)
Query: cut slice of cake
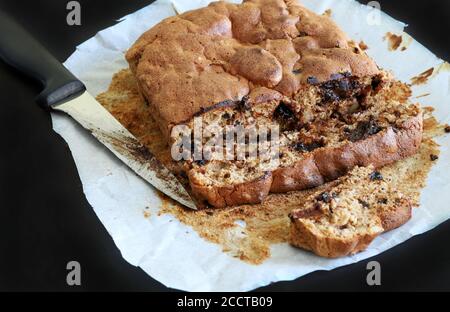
(270, 64)
(344, 218)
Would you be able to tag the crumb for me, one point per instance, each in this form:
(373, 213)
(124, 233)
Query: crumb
(363, 46)
(394, 41)
(146, 213)
(383, 201)
(424, 95)
(328, 12)
(434, 157)
(423, 77)
(376, 176)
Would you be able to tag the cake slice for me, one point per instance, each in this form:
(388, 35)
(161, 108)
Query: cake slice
(349, 214)
(377, 130)
(270, 64)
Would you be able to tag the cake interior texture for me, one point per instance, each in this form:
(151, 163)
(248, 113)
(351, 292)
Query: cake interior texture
(270, 64)
(344, 218)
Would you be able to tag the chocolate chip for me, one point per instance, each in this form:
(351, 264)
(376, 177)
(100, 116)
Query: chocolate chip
(285, 117)
(447, 129)
(339, 87)
(376, 83)
(243, 104)
(312, 80)
(283, 111)
(325, 197)
(329, 96)
(200, 162)
(364, 203)
(376, 176)
(209, 213)
(434, 157)
(307, 147)
(363, 130)
(226, 116)
(383, 201)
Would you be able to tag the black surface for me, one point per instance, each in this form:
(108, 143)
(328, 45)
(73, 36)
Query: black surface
(45, 220)
(58, 83)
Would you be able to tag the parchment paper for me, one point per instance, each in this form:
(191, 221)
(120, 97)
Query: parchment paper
(173, 253)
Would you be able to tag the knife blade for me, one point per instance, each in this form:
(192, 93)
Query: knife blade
(64, 92)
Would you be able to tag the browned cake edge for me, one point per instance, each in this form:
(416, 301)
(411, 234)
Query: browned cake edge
(319, 166)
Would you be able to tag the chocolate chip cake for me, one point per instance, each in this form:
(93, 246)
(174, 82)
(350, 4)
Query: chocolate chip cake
(272, 63)
(346, 217)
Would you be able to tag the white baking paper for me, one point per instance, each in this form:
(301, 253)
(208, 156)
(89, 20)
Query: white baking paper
(171, 252)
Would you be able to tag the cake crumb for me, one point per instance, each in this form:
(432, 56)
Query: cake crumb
(146, 213)
(423, 95)
(363, 46)
(423, 77)
(328, 12)
(394, 41)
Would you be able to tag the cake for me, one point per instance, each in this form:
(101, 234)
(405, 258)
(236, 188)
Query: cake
(348, 215)
(270, 64)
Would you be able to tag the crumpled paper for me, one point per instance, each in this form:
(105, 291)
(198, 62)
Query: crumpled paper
(173, 253)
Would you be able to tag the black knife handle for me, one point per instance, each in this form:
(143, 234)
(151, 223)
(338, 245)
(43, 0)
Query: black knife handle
(20, 50)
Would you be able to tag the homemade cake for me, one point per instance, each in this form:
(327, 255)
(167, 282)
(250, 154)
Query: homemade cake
(349, 214)
(271, 64)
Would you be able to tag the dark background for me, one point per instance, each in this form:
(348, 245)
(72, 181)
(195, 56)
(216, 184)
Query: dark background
(45, 220)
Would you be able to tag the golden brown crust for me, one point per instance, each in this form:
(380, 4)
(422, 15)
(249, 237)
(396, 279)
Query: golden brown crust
(303, 175)
(378, 150)
(396, 217)
(191, 61)
(252, 192)
(325, 164)
(328, 247)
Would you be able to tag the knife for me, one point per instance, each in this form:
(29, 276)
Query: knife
(62, 91)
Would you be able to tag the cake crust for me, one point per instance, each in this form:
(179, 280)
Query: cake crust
(224, 51)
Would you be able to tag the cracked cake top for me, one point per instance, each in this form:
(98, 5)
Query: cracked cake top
(189, 62)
